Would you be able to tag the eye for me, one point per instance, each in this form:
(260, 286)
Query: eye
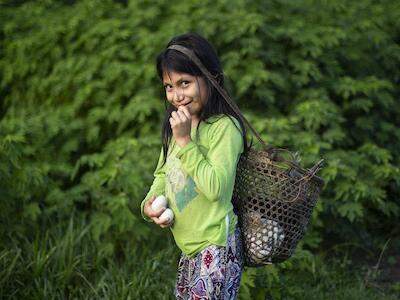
(185, 83)
(167, 87)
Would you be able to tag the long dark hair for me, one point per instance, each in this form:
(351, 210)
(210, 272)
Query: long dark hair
(171, 60)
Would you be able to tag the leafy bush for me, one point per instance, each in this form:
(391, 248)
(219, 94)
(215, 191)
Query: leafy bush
(82, 108)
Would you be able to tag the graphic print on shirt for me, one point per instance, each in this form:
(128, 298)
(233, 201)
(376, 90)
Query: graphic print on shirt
(182, 185)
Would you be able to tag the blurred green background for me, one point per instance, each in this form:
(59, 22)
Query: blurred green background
(80, 120)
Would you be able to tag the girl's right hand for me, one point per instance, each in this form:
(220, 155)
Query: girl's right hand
(154, 215)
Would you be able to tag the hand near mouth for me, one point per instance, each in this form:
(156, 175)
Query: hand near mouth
(181, 124)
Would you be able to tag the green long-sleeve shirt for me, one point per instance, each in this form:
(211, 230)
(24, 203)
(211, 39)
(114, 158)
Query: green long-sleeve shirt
(198, 182)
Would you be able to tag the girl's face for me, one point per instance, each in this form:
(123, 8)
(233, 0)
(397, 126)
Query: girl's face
(182, 89)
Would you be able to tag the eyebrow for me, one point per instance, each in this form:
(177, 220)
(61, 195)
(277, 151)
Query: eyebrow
(178, 82)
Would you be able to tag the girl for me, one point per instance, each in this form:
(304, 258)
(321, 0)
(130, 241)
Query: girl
(203, 138)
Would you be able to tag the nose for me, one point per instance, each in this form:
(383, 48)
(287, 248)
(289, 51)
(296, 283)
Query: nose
(179, 96)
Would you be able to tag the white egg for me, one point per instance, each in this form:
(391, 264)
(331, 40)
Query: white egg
(159, 202)
(167, 216)
(264, 252)
(259, 255)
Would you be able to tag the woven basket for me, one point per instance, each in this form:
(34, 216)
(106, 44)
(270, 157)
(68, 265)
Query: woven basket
(274, 201)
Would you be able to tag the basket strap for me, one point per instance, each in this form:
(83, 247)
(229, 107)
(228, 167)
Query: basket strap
(222, 91)
(269, 149)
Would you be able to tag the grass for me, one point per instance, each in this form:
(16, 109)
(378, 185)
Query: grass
(67, 264)
(64, 262)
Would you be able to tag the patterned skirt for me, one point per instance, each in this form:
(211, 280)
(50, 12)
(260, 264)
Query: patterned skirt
(214, 273)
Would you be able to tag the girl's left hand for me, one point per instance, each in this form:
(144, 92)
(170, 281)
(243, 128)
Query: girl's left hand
(181, 124)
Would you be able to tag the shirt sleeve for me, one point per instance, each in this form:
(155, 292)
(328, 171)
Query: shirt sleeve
(158, 186)
(213, 173)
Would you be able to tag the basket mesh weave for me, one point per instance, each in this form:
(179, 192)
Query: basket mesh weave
(274, 203)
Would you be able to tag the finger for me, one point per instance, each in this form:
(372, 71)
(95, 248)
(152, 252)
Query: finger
(176, 116)
(149, 202)
(172, 122)
(158, 221)
(185, 110)
(151, 199)
(157, 213)
(165, 225)
(182, 115)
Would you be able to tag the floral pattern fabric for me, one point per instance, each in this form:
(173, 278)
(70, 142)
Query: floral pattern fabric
(214, 273)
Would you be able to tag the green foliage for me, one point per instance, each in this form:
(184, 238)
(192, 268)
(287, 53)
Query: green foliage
(65, 262)
(80, 127)
(306, 276)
